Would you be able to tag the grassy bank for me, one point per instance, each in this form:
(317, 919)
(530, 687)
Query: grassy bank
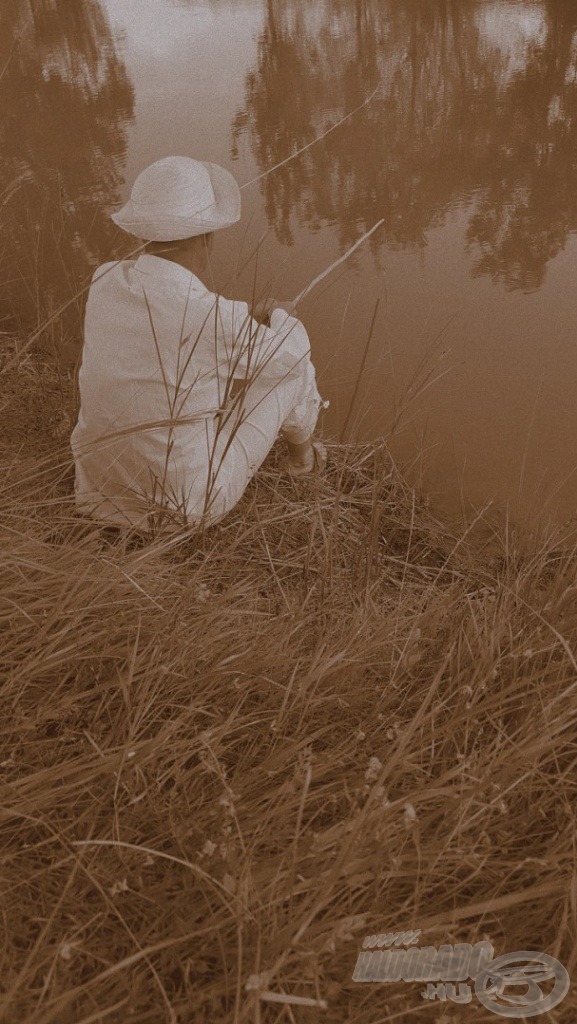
(228, 759)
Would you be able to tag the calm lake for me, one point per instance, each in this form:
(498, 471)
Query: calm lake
(468, 150)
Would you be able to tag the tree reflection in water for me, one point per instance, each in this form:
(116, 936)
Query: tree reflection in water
(65, 103)
(450, 125)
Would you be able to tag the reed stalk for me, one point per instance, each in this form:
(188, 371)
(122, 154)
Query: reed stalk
(229, 755)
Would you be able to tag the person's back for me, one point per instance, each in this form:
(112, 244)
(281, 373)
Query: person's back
(160, 352)
(149, 385)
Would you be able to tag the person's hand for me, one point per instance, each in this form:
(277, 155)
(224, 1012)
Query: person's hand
(261, 311)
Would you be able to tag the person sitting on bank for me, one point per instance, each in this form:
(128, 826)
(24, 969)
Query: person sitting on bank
(162, 425)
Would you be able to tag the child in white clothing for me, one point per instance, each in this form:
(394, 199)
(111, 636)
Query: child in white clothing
(159, 425)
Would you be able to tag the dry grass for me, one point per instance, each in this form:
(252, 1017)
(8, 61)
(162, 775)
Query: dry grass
(239, 753)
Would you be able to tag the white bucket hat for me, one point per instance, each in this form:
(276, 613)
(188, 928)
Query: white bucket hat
(178, 197)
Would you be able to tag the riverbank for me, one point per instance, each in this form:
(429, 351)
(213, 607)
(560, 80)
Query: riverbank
(237, 755)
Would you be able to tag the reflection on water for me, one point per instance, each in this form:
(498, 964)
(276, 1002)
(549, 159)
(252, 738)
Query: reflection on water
(468, 151)
(64, 106)
(478, 101)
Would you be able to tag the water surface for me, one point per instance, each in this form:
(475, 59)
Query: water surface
(468, 151)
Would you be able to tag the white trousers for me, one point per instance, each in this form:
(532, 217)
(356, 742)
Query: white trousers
(249, 426)
(109, 486)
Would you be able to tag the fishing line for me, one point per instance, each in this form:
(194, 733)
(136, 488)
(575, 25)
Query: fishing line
(314, 141)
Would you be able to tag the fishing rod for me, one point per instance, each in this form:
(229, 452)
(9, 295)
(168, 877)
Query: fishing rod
(325, 273)
(328, 270)
(293, 156)
(298, 152)
(320, 277)
(13, 362)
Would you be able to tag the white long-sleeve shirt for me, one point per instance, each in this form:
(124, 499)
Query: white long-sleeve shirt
(159, 348)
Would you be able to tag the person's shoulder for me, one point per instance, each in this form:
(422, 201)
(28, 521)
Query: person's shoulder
(106, 269)
(218, 300)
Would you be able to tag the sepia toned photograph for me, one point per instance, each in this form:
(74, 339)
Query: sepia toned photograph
(288, 511)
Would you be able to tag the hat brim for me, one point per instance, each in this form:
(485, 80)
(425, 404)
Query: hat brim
(159, 225)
